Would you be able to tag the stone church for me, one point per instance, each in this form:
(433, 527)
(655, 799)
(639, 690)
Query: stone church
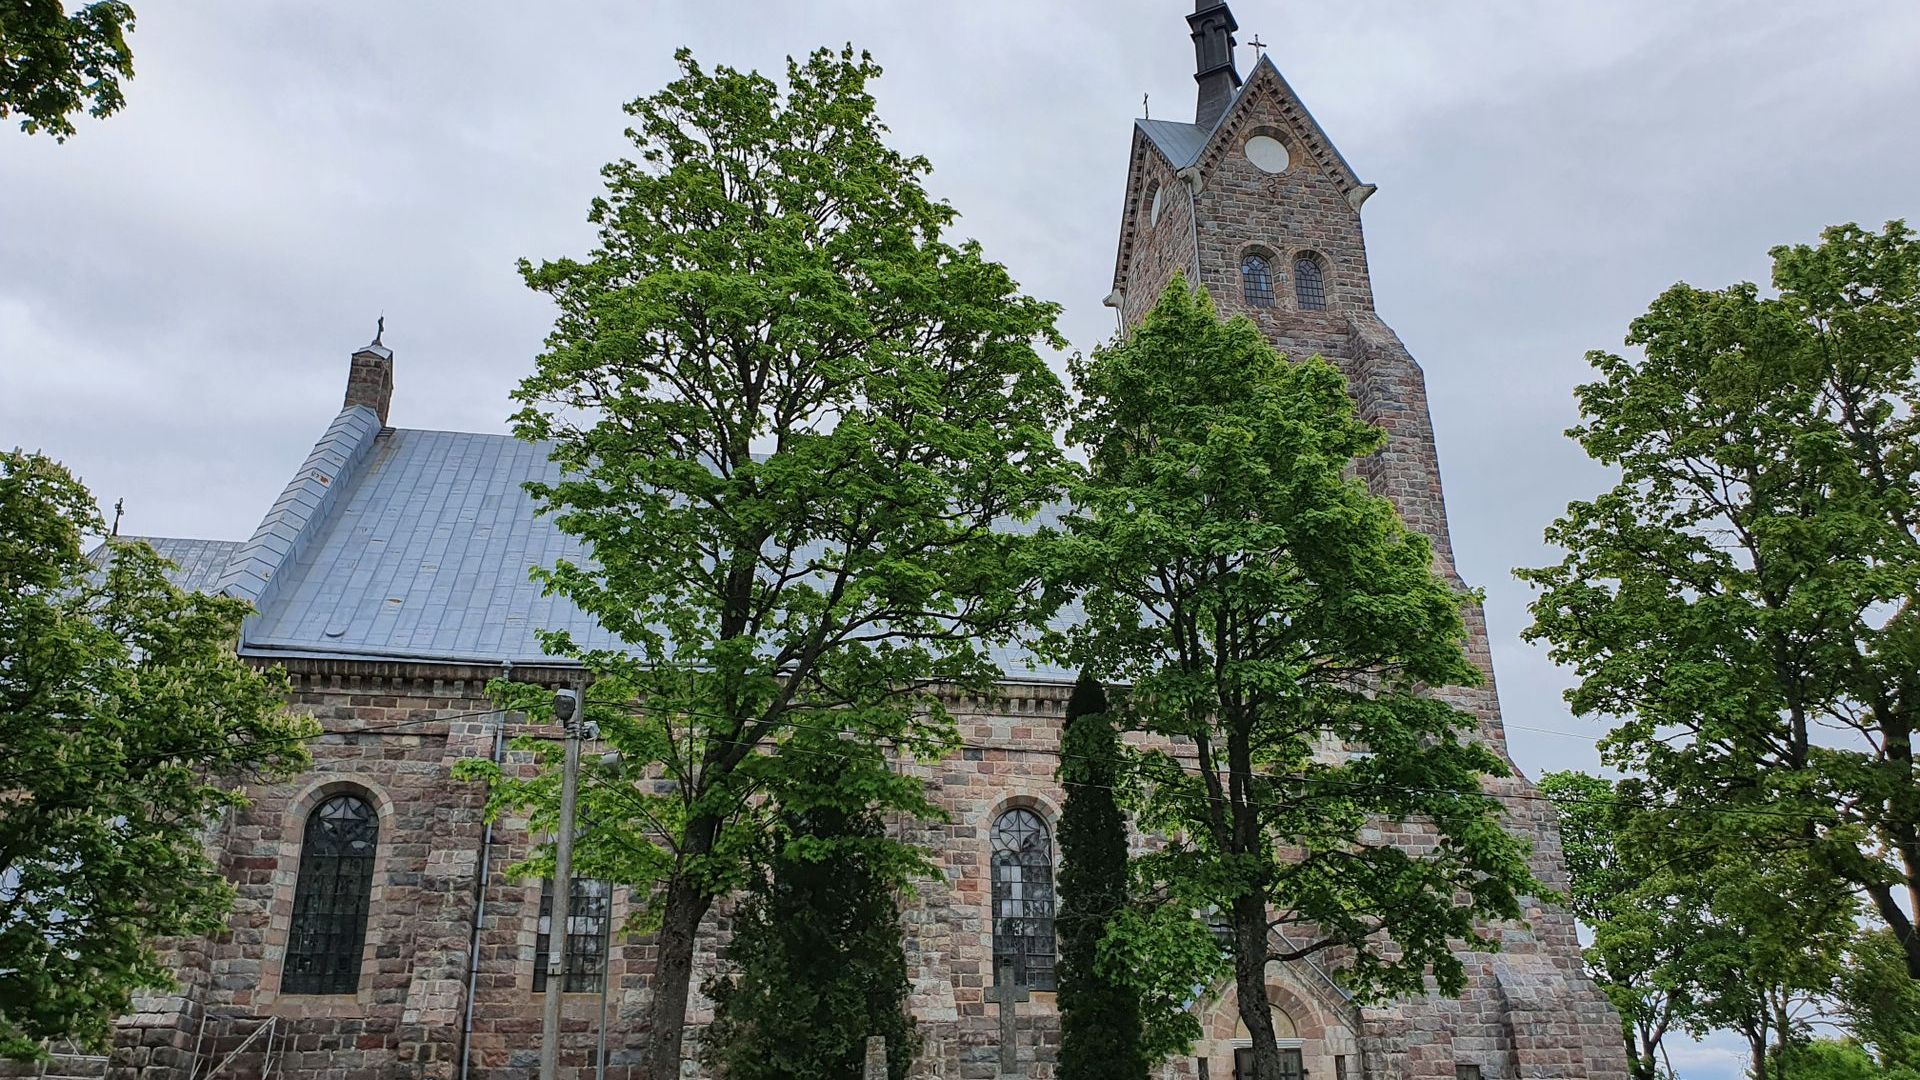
(376, 934)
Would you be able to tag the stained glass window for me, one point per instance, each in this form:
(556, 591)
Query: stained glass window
(1256, 281)
(1309, 283)
(588, 927)
(330, 898)
(1023, 899)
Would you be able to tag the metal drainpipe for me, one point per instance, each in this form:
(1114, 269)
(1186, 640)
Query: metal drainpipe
(480, 891)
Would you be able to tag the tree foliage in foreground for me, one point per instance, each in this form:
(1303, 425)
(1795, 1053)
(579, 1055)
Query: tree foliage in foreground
(1269, 613)
(1699, 920)
(55, 62)
(125, 722)
(1744, 599)
(789, 412)
(816, 962)
(1100, 1027)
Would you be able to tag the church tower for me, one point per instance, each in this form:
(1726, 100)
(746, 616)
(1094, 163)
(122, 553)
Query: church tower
(1253, 201)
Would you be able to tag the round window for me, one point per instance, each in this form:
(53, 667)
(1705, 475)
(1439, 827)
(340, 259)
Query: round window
(1153, 212)
(1267, 153)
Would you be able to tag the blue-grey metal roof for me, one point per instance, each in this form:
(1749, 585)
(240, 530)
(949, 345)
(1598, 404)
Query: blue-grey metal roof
(423, 552)
(302, 507)
(197, 564)
(1181, 143)
(424, 555)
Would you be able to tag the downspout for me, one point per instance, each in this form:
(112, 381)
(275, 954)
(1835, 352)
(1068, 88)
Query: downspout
(480, 891)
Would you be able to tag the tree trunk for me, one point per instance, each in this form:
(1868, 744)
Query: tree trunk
(680, 919)
(1250, 983)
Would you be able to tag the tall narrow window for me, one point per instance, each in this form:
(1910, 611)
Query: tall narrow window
(1310, 283)
(1023, 899)
(330, 898)
(1256, 281)
(588, 926)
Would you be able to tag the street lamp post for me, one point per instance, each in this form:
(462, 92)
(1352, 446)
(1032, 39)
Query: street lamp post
(566, 709)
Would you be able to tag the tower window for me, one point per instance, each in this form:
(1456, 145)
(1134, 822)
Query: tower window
(1256, 281)
(1023, 899)
(588, 924)
(330, 898)
(1310, 283)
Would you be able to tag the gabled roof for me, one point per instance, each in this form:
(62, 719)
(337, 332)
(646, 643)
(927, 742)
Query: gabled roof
(418, 549)
(424, 555)
(1179, 143)
(1185, 146)
(197, 564)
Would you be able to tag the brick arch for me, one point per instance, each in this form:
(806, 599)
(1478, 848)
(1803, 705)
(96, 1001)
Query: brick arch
(1321, 1035)
(286, 876)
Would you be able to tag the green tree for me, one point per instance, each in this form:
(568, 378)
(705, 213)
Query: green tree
(1767, 933)
(1880, 1004)
(1743, 599)
(817, 958)
(1643, 938)
(1267, 609)
(1100, 1027)
(1699, 920)
(125, 720)
(1829, 1059)
(789, 414)
(54, 63)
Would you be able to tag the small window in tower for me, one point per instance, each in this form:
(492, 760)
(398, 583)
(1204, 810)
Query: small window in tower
(1310, 282)
(1256, 281)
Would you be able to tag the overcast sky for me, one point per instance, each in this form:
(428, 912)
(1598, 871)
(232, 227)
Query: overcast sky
(180, 285)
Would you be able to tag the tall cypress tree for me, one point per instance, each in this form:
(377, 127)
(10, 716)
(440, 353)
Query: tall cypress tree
(1100, 1027)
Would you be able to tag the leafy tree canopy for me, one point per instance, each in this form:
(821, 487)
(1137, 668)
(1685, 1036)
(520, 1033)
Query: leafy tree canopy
(125, 719)
(1743, 600)
(54, 63)
(790, 412)
(1283, 627)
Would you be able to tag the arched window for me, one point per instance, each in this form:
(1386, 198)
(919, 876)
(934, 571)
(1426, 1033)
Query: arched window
(1023, 899)
(330, 899)
(1310, 282)
(1256, 281)
(585, 956)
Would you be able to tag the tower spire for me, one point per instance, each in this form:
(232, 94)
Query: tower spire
(1213, 68)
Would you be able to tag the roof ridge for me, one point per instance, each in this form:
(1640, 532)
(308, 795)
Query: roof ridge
(301, 508)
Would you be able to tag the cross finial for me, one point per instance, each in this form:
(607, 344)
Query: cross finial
(379, 328)
(1259, 46)
(119, 507)
(1144, 109)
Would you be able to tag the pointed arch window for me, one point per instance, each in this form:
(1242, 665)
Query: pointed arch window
(1256, 281)
(584, 960)
(1310, 282)
(1023, 900)
(331, 898)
